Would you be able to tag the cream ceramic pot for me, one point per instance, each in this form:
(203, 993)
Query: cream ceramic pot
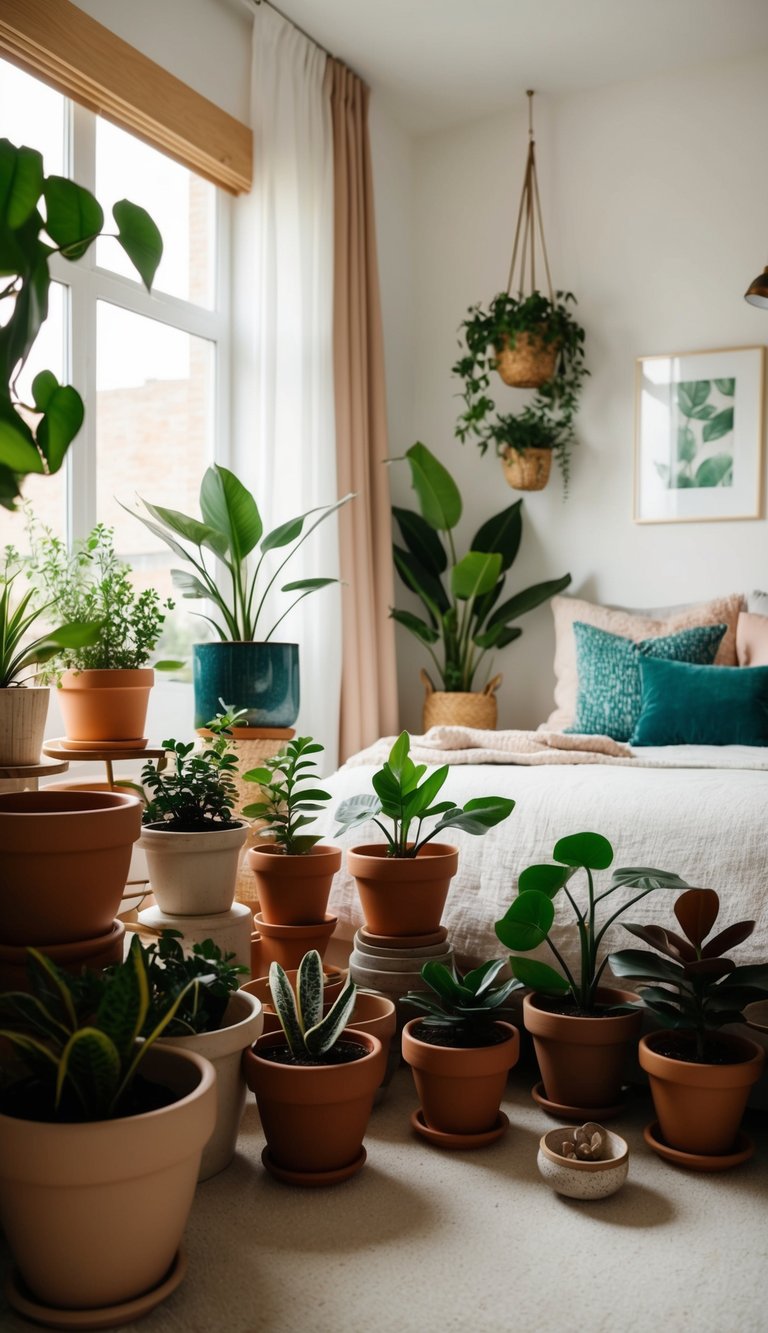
(193, 874)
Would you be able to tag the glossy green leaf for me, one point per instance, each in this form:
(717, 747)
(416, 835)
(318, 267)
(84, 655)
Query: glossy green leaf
(73, 218)
(638, 965)
(584, 849)
(546, 879)
(539, 976)
(17, 449)
(419, 580)
(324, 1036)
(307, 585)
(21, 183)
(64, 415)
(528, 600)
(228, 507)
(140, 239)
(475, 574)
(90, 1065)
(438, 494)
(420, 628)
(501, 533)
(309, 990)
(527, 921)
(284, 1002)
(422, 541)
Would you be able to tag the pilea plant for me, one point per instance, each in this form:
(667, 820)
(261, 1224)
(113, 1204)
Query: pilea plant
(205, 979)
(528, 921)
(406, 801)
(462, 1008)
(288, 805)
(310, 1036)
(197, 792)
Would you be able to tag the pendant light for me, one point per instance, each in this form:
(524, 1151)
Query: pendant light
(757, 291)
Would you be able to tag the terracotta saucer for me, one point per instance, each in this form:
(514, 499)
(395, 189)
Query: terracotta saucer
(756, 1015)
(582, 1113)
(459, 1142)
(107, 1316)
(695, 1161)
(312, 1179)
(403, 941)
(139, 743)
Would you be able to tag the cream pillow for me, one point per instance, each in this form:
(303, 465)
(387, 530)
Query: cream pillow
(720, 611)
(752, 640)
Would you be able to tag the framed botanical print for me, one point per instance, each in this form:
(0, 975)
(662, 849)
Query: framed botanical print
(699, 436)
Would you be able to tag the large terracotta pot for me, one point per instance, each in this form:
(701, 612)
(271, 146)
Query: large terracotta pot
(293, 890)
(403, 895)
(94, 1213)
(103, 706)
(287, 945)
(583, 1060)
(699, 1106)
(460, 1089)
(193, 874)
(93, 954)
(65, 859)
(314, 1116)
(23, 711)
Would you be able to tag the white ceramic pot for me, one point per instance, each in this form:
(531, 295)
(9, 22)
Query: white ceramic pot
(224, 1048)
(23, 710)
(582, 1179)
(193, 874)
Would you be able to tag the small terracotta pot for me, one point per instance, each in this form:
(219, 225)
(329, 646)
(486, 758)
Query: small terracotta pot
(583, 1060)
(699, 1106)
(314, 1116)
(92, 954)
(193, 874)
(293, 890)
(460, 1089)
(287, 945)
(65, 859)
(103, 706)
(23, 711)
(334, 979)
(403, 895)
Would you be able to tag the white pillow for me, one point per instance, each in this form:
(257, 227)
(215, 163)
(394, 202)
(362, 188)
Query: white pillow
(757, 603)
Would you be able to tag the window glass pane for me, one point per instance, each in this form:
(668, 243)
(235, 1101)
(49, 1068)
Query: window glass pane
(181, 203)
(33, 114)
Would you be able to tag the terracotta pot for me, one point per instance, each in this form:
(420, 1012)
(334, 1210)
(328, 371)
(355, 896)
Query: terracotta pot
(65, 859)
(23, 711)
(137, 870)
(293, 890)
(224, 1048)
(93, 954)
(460, 1090)
(527, 469)
(528, 362)
(314, 1116)
(193, 874)
(287, 945)
(403, 895)
(699, 1106)
(582, 1060)
(333, 978)
(103, 706)
(94, 1213)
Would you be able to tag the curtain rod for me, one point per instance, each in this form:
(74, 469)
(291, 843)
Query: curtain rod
(253, 5)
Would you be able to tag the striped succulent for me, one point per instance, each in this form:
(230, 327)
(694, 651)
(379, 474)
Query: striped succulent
(309, 1033)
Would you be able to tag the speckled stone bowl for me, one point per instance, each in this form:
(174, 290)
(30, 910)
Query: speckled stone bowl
(582, 1180)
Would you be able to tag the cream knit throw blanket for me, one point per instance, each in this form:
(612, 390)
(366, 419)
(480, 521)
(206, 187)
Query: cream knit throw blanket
(467, 745)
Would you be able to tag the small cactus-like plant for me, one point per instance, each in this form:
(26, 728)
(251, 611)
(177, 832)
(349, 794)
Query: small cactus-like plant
(587, 1143)
(309, 1034)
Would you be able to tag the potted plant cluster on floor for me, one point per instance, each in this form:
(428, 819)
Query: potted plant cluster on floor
(460, 1052)
(700, 1076)
(582, 1032)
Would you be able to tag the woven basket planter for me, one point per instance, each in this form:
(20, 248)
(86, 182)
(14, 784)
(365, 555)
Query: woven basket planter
(529, 363)
(444, 708)
(528, 471)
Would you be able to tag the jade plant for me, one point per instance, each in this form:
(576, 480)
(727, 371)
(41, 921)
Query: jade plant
(466, 620)
(403, 798)
(204, 979)
(693, 987)
(287, 804)
(462, 1009)
(311, 1036)
(197, 791)
(528, 921)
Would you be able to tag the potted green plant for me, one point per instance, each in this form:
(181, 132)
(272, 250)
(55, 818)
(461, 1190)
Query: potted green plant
(460, 1051)
(314, 1081)
(586, 1162)
(294, 869)
(581, 1032)
(101, 1135)
(533, 342)
(190, 838)
(245, 664)
(466, 620)
(403, 882)
(700, 1077)
(42, 216)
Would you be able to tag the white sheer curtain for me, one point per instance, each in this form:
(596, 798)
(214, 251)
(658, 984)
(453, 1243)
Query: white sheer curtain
(284, 441)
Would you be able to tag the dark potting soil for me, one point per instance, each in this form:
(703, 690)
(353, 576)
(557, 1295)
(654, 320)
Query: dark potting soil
(716, 1052)
(457, 1040)
(343, 1053)
(555, 1004)
(26, 1100)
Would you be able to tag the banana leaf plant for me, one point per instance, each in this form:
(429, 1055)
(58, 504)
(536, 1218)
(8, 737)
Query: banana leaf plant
(466, 619)
(41, 216)
(229, 531)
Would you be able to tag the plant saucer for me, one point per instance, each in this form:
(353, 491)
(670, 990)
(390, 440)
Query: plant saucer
(312, 1179)
(411, 942)
(581, 1113)
(459, 1142)
(138, 743)
(694, 1161)
(756, 1015)
(106, 1316)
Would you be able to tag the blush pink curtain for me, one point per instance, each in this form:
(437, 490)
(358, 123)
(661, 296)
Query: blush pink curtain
(369, 681)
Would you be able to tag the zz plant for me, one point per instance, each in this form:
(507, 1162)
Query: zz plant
(197, 792)
(310, 1035)
(463, 1009)
(287, 804)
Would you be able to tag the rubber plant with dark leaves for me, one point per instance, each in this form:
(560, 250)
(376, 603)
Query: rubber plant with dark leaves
(527, 923)
(41, 216)
(461, 1010)
(197, 792)
(287, 804)
(403, 798)
(465, 617)
(692, 988)
(311, 1036)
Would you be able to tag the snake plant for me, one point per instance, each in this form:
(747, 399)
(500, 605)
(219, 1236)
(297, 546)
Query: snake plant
(310, 1035)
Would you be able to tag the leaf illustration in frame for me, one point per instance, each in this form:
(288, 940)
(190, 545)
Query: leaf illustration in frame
(718, 426)
(726, 387)
(716, 471)
(692, 394)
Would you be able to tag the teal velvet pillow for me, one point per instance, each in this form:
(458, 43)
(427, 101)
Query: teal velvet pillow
(700, 705)
(609, 692)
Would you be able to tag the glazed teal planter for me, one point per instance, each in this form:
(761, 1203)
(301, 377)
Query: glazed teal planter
(262, 678)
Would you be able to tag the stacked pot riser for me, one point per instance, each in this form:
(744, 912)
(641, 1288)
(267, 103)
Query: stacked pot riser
(293, 895)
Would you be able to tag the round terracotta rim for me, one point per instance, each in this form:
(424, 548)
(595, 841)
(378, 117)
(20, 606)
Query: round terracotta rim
(44, 803)
(83, 949)
(403, 942)
(100, 678)
(588, 1168)
(667, 1068)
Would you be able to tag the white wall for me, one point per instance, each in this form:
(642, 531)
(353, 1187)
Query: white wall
(656, 214)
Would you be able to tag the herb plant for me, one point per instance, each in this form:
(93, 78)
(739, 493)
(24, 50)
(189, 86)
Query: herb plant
(198, 792)
(693, 987)
(20, 656)
(288, 805)
(204, 980)
(529, 919)
(402, 797)
(465, 619)
(464, 1008)
(311, 1036)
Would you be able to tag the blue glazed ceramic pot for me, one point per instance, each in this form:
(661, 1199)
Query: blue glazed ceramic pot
(262, 678)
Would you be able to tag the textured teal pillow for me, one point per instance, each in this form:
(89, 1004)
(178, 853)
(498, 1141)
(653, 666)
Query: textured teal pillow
(609, 691)
(700, 705)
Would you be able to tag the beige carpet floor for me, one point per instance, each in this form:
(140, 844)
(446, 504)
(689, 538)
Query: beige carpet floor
(425, 1241)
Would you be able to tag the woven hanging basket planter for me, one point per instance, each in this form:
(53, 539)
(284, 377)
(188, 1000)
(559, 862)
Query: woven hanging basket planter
(528, 471)
(455, 708)
(529, 363)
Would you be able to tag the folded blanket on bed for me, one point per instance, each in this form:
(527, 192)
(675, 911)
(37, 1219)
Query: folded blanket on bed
(468, 745)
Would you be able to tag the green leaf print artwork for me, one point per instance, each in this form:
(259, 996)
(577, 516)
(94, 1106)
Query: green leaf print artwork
(701, 416)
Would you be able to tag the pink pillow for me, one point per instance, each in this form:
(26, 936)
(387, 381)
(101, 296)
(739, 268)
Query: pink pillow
(720, 611)
(752, 640)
